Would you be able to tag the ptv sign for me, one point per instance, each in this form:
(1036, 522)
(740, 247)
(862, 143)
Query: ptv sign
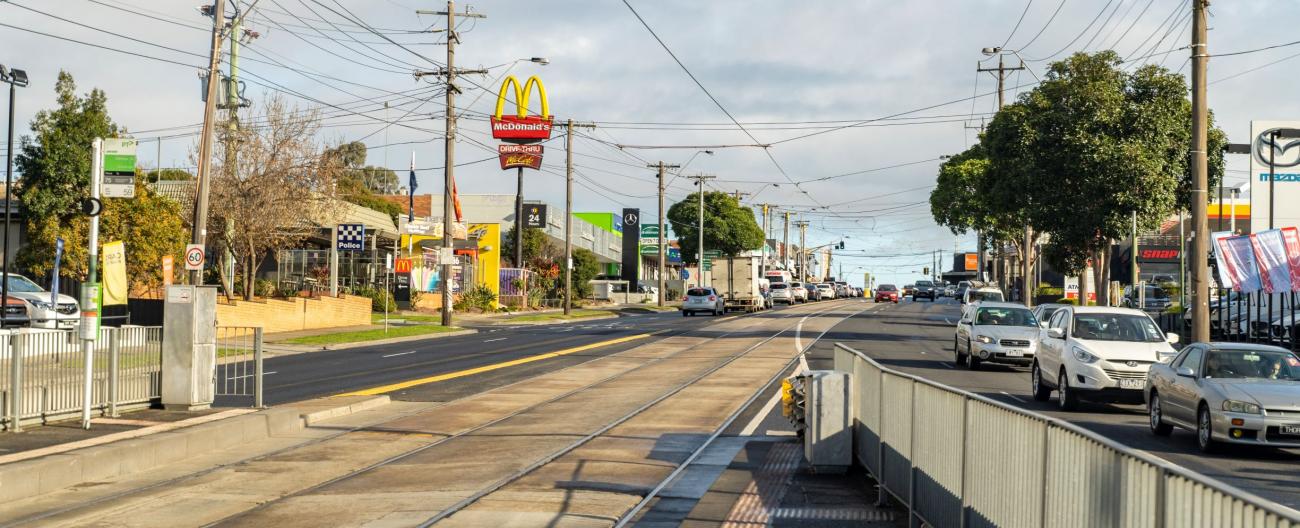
(521, 127)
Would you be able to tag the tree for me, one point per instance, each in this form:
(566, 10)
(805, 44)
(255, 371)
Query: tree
(728, 227)
(283, 185)
(536, 244)
(585, 268)
(55, 167)
(360, 183)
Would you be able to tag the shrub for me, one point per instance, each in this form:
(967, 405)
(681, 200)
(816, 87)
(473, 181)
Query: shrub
(377, 298)
(480, 297)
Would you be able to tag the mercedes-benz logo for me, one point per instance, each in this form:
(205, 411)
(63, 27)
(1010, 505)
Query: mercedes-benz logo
(630, 219)
(1133, 364)
(1264, 141)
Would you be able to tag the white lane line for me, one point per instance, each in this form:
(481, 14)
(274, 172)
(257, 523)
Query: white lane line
(399, 354)
(1014, 397)
(762, 413)
(497, 339)
(948, 320)
(947, 365)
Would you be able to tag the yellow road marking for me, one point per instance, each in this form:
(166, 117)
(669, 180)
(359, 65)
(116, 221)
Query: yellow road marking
(488, 368)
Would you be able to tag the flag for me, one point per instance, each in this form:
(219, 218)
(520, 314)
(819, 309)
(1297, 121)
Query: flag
(413, 184)
(455, 199)
(410, 195)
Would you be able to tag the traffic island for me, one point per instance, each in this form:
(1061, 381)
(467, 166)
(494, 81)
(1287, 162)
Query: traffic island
(353, 337)
(560, 317)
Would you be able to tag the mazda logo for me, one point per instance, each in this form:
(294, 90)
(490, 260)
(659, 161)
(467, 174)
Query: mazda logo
(1133, 364)
(1280, 146)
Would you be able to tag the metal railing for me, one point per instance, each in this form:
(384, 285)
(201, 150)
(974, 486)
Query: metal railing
(239, 362)
(42, 373)
(1272, 319)
(954, 458)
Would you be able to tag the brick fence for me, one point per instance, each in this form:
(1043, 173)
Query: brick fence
(290, 315)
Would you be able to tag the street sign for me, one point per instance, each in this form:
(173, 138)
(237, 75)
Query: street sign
(447, 257)
(686, 274)
(535, 215)
(649, 249)
(352, 237)
(90, 311)
(194, 257)
(92, 206)
(119, 168)
(650, 231)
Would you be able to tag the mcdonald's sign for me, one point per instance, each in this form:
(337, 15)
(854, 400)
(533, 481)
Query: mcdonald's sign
(521, 127)
(513, 156)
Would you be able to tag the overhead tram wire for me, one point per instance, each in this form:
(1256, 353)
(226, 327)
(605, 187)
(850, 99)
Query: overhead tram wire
(1130, 27)
(1166, 21)
(335, 54)
(1103, 25)
(1101, 45)
(398, 64)
(101, 46)
(354, 39)
(1026, 45)
(1076, 37)
(1028, 4)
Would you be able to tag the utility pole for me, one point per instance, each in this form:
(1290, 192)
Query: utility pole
(1027, 247)
(785, 244)
(449, 142)
(234, 101)
(1200, 177)
(662, 251)
(766, 225)
(740, 195)
(199, 225)
(568, 211)
(803, 249)
(699, 180)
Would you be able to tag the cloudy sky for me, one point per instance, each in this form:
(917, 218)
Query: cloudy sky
(794, 73)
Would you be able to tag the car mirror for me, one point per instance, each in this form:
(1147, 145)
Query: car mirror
(1042, 324)
(1186, 372)
(1172, 338)
(1055, 333)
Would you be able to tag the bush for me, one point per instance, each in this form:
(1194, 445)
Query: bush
(377, 298)
(480, 297)
(264, 288)
(1047, 290)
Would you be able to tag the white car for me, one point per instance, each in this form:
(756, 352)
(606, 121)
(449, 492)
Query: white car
(997, 333)
(825, 291)
(705, 299)
(1098, 354)
(982, 294)
(780, 292)
(799, 292)
(63, 313)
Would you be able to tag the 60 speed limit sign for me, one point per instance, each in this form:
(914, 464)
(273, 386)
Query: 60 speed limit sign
(194, 257)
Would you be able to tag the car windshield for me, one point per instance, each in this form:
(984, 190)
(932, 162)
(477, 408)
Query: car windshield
(1116, 327)
(924, 283)
(20, 284)
(1047, 313)
(979, 296)
(779, 286)
(998, 316)
(698, 292)
(886, 287)
(1252, 364)
(1156, 292)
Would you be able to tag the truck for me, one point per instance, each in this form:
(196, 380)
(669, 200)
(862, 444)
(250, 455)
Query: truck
(738, 280)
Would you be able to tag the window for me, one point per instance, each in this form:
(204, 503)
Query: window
(1058, 320)
(887, 287)
(1116, 327)
(779, 286)
(699, 292)
(20, 284)
(1251, 363)
(1191, 359)
(1005, 317)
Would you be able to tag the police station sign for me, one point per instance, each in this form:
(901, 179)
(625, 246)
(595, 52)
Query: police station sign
(1282, 155)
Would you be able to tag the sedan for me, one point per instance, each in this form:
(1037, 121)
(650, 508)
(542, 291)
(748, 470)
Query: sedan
(706, 300)
(1228, 393)
(825, 291)
(887, 293)
(997, 333)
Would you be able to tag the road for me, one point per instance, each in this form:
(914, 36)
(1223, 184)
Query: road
(916, 337)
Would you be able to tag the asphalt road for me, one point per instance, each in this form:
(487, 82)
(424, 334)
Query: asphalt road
(315, 374)
(917, 337)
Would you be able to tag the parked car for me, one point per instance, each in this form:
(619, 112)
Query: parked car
(1098, 354)
(950, 290)
(983, 294)
(1228, 393)
(41, 312)
(799, 291)
(1153, 298)
(703, 299)
(995, 332)
(925, 289)
(780, 292)
(1043, 312)
(887, 293)
(960, 291)
(825, 291)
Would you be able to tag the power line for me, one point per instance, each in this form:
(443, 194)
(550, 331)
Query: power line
(1026, 45)
(1079, 36)
(1018, 21)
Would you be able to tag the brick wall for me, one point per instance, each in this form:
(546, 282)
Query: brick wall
(289, 315)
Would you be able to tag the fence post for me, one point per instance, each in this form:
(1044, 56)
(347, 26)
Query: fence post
(965, 450)
(114, 351)
(1047, 453)
(257, 367)
(17, 344)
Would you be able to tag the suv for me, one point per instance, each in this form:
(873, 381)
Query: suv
(780, 292)
(799, 292)
(983, 294)
(1154, 299)
(995, 332)
(63, 313)
(703, 299)
(1098, 354)
(925, 289)
(826, 291)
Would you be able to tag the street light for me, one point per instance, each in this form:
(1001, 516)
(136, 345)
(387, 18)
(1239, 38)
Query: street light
(15, 78)
(1274, 135)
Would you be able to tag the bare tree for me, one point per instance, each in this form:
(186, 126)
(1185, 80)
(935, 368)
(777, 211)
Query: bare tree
(281, 189)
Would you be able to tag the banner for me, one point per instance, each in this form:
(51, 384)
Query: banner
(1270, 254)
(1291, 239)
(516, 156)
(1219, 248)
(116, 287)
(1240, 260)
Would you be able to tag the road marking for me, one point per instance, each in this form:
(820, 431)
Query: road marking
(947, 365)
(488, 368)
(1017, 398)
(398, 354)
(762, 413)
(947, 320)
(497, 339)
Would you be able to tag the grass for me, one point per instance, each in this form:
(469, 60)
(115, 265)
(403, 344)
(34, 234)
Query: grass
(378, 318)
(369, 335)
(652, 308)
(559, 316)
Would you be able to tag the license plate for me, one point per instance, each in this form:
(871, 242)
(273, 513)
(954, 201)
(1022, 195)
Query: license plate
(1290, 430)
(1015, 353)
(1136, 384)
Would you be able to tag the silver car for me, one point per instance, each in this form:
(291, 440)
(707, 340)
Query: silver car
(706, 300)
(1235, 393)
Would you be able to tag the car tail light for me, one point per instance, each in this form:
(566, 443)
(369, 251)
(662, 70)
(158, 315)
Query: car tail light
(712, 298)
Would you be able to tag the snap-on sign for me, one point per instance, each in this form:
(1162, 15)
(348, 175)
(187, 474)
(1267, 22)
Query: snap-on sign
(1158, 254)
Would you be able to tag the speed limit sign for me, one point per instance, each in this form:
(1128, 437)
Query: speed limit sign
(194, 257)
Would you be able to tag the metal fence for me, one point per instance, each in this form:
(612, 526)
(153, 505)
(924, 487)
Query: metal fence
(1250, 317)
(42, 374)
(958, 459)
(239, 362)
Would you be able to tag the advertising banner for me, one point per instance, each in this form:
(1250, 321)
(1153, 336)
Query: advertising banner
(116, 287)
(631, 223)
(1219, 246)
(521, 127)
(1270, 255)
(514, 156)
(972, 261)
(1291, 239)
(1283, 156)
(1241, 264)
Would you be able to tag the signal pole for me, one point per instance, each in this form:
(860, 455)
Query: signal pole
(767, 222)
(568, 211)
(449, 163)
(1027, 248)
(699, 180)
(662, 252)
(803, 250)
(785, 244)
(1200, 177)
(199, 224)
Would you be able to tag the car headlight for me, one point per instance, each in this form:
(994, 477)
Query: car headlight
(984, 339)
(1165, 356)
(1083, 355)
(1240, 407)
(42, 305)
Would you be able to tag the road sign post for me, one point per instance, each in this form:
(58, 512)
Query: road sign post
(194, 257)
(119, 168)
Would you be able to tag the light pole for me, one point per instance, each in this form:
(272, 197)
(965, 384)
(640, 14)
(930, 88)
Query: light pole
(1274, 135)
(519, 193)
(15, 78)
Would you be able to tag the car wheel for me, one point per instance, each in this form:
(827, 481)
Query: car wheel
(956, 350)
(1156, 414)
(685, 313)
(1205, 431)
(1041, 392)
(1065, 397)
(972, 360)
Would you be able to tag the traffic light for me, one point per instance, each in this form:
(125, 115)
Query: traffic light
(840, 245)
(925, 271)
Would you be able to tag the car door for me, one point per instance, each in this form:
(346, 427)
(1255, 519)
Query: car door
(964, 329)
(1183, 393)
(1049, 360)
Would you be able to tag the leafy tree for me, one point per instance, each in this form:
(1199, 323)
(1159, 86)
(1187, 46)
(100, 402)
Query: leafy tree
(536, 244)
(585, 268)
(168, 175)
(360, 183)
(728, 227)
(55, 167)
